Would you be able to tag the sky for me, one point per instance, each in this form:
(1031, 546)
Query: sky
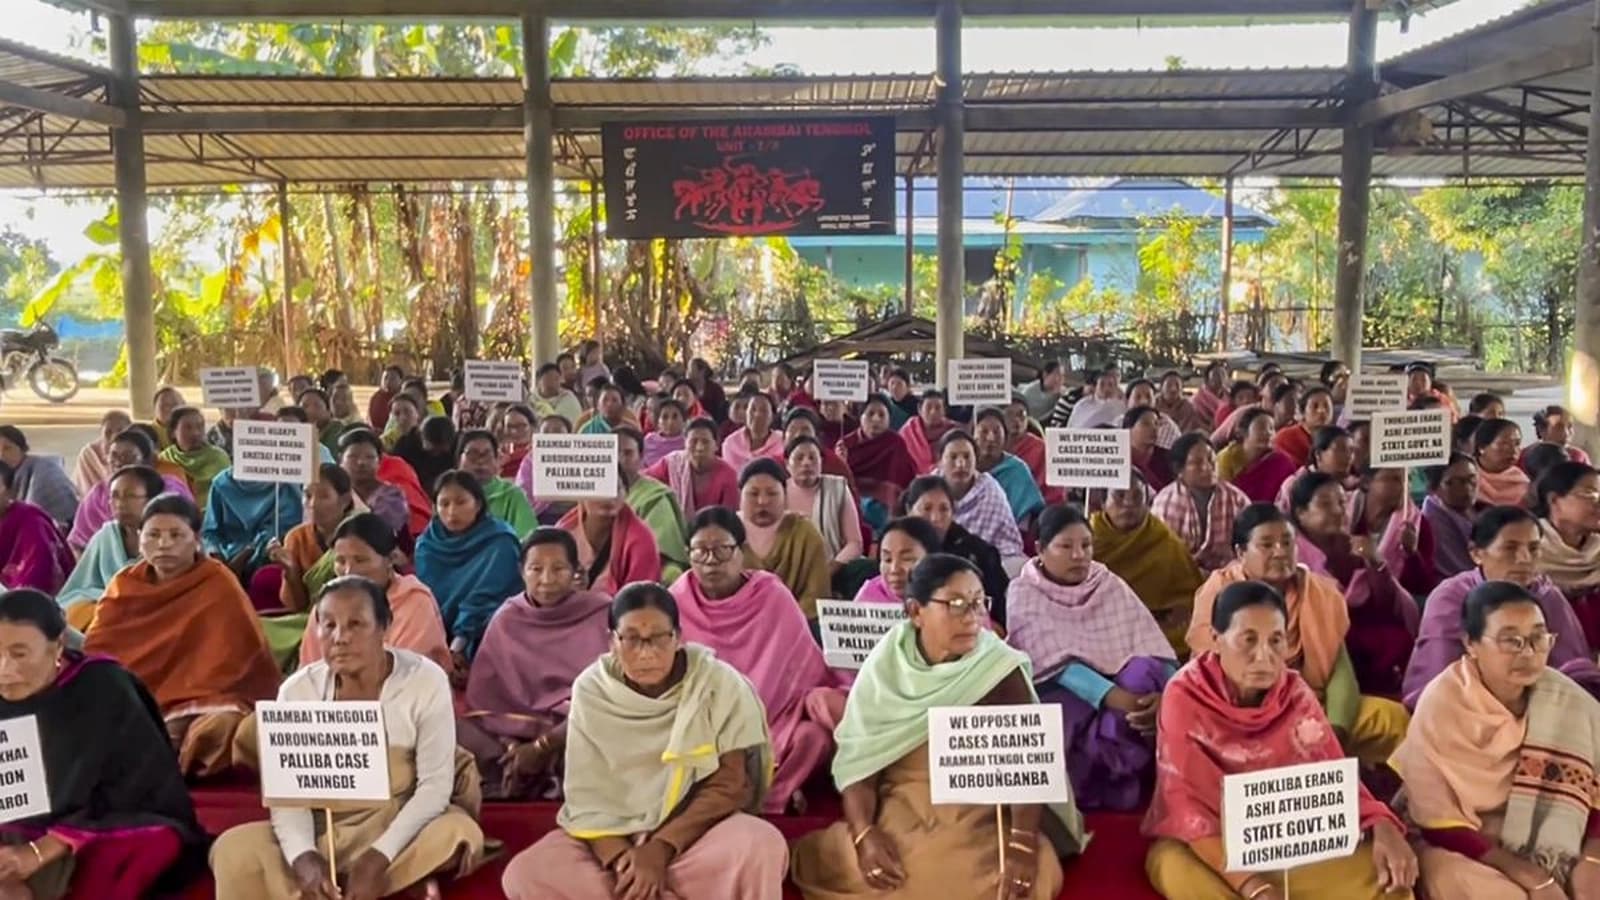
(840, 51)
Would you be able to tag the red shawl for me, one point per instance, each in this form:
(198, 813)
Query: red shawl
(632, 555)
(882, 465)
(1030, 449)
(33, 554)
(921, 443)
(396, 471)
(1294, 441)
(511, 459)
(1262, 479)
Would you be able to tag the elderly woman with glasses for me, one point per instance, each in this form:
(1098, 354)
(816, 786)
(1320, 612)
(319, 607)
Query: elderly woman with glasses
(893, 842)
(752, 623)
(667, 757)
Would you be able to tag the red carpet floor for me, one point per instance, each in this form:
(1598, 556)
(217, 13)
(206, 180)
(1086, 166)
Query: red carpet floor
(1113, 867)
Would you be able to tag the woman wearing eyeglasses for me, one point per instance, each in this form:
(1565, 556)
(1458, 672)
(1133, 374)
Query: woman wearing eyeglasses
(752, 622)
(667, 756)
(1500, 763)
(1239, 707)
(1567, 502)
(893, 842)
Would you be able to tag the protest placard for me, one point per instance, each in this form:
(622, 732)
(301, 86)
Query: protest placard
(850, 630)
(991, 755)
(840, 379)
(1276, 819)
(329, 754)
(1419, 438)
(1368, 395)
(23, 789)
(493, 381)
(231, 388)
(277, 452)
(979, 382)
(1088, 458)
(574, 466)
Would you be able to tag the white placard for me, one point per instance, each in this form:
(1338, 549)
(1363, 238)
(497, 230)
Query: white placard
(840, 379)
(992, 755)
(1088, 458)
(24, 792)
(1368, 395)
(979, 382)
(493, 381)
(327, 753)
(574, 466)
(1278, 819)
(232, 388)
(1417, 438)
(850, 630)
(276, 452)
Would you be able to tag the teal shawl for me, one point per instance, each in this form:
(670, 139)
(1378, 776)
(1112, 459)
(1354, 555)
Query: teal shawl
(596, 425)
(103, 557)
(1022, 492)
(240, 514)
(470, 574)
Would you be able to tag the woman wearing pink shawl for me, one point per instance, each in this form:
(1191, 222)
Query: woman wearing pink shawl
(695, 473)
(1501, 482)
(1383, 616)
(753, 623)
(1450, 510)
(923, 431)
(1383, 513)
(1098, 652)
(667, 435)
(1212, 395)
(94, 464)
(32, 552)
(615, 546)
(757, 438)
(127, 448)
(521, 682)
(1250, 463)
(905, 542)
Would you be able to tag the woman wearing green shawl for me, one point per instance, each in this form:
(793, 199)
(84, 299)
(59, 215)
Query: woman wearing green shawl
(655, 503)
(480, 457)
(189, 451)
(667, 758)
(893, 842)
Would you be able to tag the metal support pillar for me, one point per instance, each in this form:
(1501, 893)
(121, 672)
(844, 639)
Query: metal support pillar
(1355, 184)
(291, 363)
(538, 132)
(1227, 264)
(952, 131)
(133, 227)
(909, 304)
(1583, 375)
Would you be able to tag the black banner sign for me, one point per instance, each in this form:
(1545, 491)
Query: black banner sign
(809, 176)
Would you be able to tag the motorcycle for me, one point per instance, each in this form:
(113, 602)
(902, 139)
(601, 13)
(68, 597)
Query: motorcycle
(27, 354)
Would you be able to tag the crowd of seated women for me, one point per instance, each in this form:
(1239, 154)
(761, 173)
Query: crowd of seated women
(1256, 596)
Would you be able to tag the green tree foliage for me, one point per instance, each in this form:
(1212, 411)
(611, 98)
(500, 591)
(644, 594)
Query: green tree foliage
(25, 267)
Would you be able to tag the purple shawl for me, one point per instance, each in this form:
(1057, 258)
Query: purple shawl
(1452, 535)
(657, 446)
(521, 681)
(1441, 633)
(32, 552)
(95, 510)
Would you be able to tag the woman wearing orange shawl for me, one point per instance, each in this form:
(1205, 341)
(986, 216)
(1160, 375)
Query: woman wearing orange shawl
(1501, 482)
(923, 431)
(1318, 621)
(615, 546)
(1500, 761)
(1241, 708)
(181, 622)
(1316, 410)
(328, 502)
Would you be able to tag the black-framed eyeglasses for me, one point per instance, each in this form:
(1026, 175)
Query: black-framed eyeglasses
(964, 606)
(716, 553)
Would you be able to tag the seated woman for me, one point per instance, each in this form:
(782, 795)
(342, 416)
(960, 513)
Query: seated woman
(1506, 546)
(1382, 512)
(906, 541)
(893, 842)
(113, 547)
(1333, 452)
(176, 596)
(516, 432)
(1499, 764)
(1315, 413)
(189, 451)
(364, 545)
(981, 505)
(1141, 550)
(1142, 392)
(929, 499)
(878, 458)
(1450, 510)
(119, 815)
(166, 401)
(1179, 504)
(94, 465)
(243, 519)
(427, 828)
(924, 432)
(433, 453)
(129, 448)
(668, 434)
(667, 758)
(827, 503)
(1552, 425)
(1012, 474)
(1383, 615)
(757, 439)
(779, 541)
(698, 477)
(615, 546)
(1098, 653)
(520, 688)
(1250, 463)
(33, 554)
(1171, 402)
(38, 480)
(1567, 502)
(1151, 462)
(469, 560)
(1104, 406)
(480, 458)
(610, 411)
(401, 428)
(1240, 707)
(654, 503)
(752, 622)
(360, 455)
(1028, 446)
(303, 553)
(1318, 621)
(1501, 482)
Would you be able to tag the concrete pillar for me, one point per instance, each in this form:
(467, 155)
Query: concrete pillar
(1583, 375)
(291, 362)
(951, 169)
(538, 111)
(1227, 264)
(1355, 184)
(909, 304)
(133, 227)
